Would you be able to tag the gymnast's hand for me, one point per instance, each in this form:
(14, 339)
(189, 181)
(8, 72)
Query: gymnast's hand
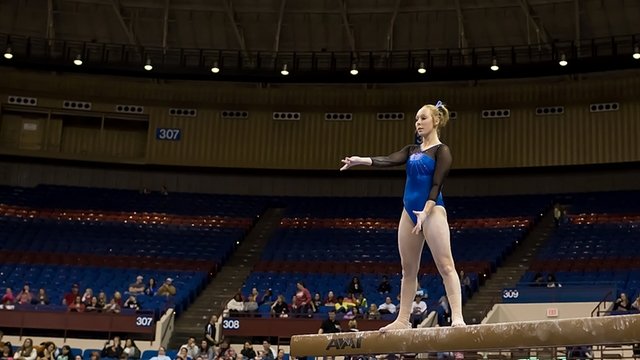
(422, 216)
(353, 161)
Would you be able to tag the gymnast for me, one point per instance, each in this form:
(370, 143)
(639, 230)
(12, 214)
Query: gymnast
(424, 216)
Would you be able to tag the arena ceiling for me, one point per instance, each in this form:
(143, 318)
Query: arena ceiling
(321, 25)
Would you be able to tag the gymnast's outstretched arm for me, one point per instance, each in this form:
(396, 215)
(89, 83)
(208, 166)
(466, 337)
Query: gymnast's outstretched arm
(397, 158)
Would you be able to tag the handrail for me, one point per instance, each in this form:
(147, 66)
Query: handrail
(596, 310)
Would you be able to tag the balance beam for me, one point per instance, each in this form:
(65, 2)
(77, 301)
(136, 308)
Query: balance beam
(610, 330)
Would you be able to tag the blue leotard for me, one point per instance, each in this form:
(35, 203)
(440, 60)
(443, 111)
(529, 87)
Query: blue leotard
(426, 170)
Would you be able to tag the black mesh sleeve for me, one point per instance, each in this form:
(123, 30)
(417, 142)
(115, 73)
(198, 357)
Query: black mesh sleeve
(397, 158)
(443, 165)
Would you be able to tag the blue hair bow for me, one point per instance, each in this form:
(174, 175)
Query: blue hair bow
(439, 105)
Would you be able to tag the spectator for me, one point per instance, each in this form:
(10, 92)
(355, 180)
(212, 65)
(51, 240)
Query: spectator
(192, 349)
(622, 303)
(302, 303)
(112, 349)
(330, 300)
(94, 305)
(419, 310)
(182, 354)
(130, 349)
(636, 304)
(330, 325)
(373, 313)
(387, 307)
(167, 289)
(164, 191)
(151, 287)
(557, 214)
(361, 302)
(26, 351)
(8, 298)
(210, 331)
(355, 287)
(77, 305)
(465, 281)
(236, 304)
(2, 343)
(65, 353)
(95, 355)
(267, 353)
(385, 286)
(70, 297)
(5, 353)
(46, 351)
(341, 306)
(552, 282)
(86, 297)
(280, 308)
(41, 299)
(247, 351)
(137, 288)
(317, 302)
(79, 357)
(132, 303)
(162, 354)
(102, 299)
(280, 354)
(24, 296)
(267, 298)
(145, 191)
(444, 304)
(251, 305)
(115, 305)
(205, 350)
(353, 325)
(538, 279)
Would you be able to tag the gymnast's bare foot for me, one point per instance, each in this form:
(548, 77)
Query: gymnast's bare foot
(396, 325)
(458, 323)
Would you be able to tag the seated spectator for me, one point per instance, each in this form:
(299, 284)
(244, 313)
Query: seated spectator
(280, 308)
(46, 351)
(538, 279)
(267, 298)
(192, 348)
(317, 302)
(236, 304)
(130, 350)
(24, 296)
(444, 304)
(331, 299)
(205, 350)
(167, 289)
(26, 351)
(361, 302)
(636, 304)
(385, 286)
(355, 287)
(331, 325)
(552, 282)
(280, 355)
(251, 304)
(8, 298)
(622, 303)
(77, 305)
(373, 313)
(418, 311)
(465, 281)
(162, 354)
(102, 300)
(95, 355)
(182, 354)
(342, 306)
(41, 298)
(70, 297)
(353, 325)
(267, 353)
(6, 352)
(151, 287)
(65, 353)
(79, 357)
(164, 191)
(247, 351)
(302, 303)
(112, 349)
(132, 303)
(388, 307)
(115, 305)
(86, 297)
(137, 288)
(94, 305)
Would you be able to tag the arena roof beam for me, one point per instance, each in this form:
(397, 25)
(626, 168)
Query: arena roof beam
(51, 30)
(392, 24)
(605, 330)
(543, 35)
(231, 14)
(462, 37)
(276, 41)
(165, 25)
(347, 26)
(129, 32)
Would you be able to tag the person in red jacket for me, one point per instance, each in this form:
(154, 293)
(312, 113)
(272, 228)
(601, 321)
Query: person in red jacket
(302, 303)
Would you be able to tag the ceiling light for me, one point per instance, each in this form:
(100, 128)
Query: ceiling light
(494, 64)
(563, 60)
(354, 69)
(215, 69)
(636, 53)
(284, 70)
(8, 54)
(78, 60)
(148, 65)
(421, 69)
